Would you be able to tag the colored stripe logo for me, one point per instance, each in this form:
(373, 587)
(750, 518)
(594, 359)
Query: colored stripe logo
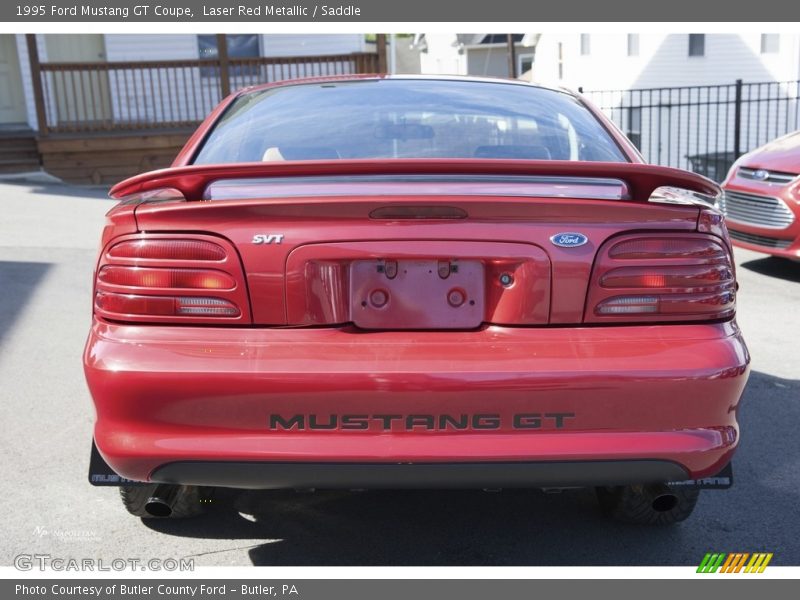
(734, 562)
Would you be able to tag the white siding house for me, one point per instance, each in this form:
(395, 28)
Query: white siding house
(25, 81)
(676, 95)
(112, 98)
(311, 45)
(476, 54)
(130, 47)
(441, 54)
(619, 61)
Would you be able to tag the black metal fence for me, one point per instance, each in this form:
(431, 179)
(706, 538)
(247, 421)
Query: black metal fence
(702, 128)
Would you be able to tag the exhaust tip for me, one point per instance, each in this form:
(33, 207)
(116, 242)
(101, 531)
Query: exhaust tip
(156, 507)
(162, 500)
(664, 500)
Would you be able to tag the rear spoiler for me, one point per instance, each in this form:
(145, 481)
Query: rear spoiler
(641, 179)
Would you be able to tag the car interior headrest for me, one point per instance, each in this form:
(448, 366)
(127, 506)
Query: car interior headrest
(275, 153)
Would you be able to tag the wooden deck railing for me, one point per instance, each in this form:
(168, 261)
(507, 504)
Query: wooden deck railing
(108, 96)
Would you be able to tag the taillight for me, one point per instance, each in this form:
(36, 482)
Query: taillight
(666, 247)
(672, 277)
(662, 277)
(154, 196)
(133, 304)
(163, 278)
(168, 250)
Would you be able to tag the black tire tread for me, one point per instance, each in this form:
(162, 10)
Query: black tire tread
(633, 504)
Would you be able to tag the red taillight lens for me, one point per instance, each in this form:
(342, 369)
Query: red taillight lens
(158, 278)
(701, 276)
(165, 249)
(164, 306)
(664, 247)
(130, 304)
(657, 277)
(149, 277)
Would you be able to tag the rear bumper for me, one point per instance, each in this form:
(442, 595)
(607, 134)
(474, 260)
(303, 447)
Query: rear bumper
(274, 475)
(539, 406)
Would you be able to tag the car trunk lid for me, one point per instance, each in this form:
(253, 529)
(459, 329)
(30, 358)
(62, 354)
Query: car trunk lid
(416, 244)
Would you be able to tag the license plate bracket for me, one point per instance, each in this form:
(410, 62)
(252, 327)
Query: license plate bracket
(437, 293)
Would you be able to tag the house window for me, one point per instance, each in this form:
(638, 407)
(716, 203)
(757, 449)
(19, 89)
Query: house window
(770, 43)
(524, 63)
(697, 44)
(586, 44)
(634, 131)
(633, 44)
(239, 46)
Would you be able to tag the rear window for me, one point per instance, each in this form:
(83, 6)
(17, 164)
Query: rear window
(407, 119)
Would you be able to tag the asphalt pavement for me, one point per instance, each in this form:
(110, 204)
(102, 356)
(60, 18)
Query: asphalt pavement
(48, 238)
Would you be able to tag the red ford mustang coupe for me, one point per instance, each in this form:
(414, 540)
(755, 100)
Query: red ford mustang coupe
(762, 198)
(398, 282)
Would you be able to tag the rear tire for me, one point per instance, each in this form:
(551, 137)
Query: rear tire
(188, 502)
(639, 504)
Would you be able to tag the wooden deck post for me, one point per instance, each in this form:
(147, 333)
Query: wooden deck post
(36, 81)
(380, 46)
(512, 56)
(224, 67)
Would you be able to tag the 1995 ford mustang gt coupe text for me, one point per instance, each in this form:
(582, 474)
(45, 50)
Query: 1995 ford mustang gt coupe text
(388, 282)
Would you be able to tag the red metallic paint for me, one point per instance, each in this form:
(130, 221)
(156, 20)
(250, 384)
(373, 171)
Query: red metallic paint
(321, 296)
(165, 393)
(782, 155)
(192, 180)
(339, 220)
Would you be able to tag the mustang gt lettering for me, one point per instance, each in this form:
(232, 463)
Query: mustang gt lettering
(412, 422)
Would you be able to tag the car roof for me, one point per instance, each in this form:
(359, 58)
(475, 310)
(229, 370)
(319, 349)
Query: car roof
(377, 77)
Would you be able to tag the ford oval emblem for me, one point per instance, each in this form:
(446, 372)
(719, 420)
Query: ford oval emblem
(569, 240)
(761, 175)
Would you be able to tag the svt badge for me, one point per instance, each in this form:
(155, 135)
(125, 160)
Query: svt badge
(268, 238)
(569, 240)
